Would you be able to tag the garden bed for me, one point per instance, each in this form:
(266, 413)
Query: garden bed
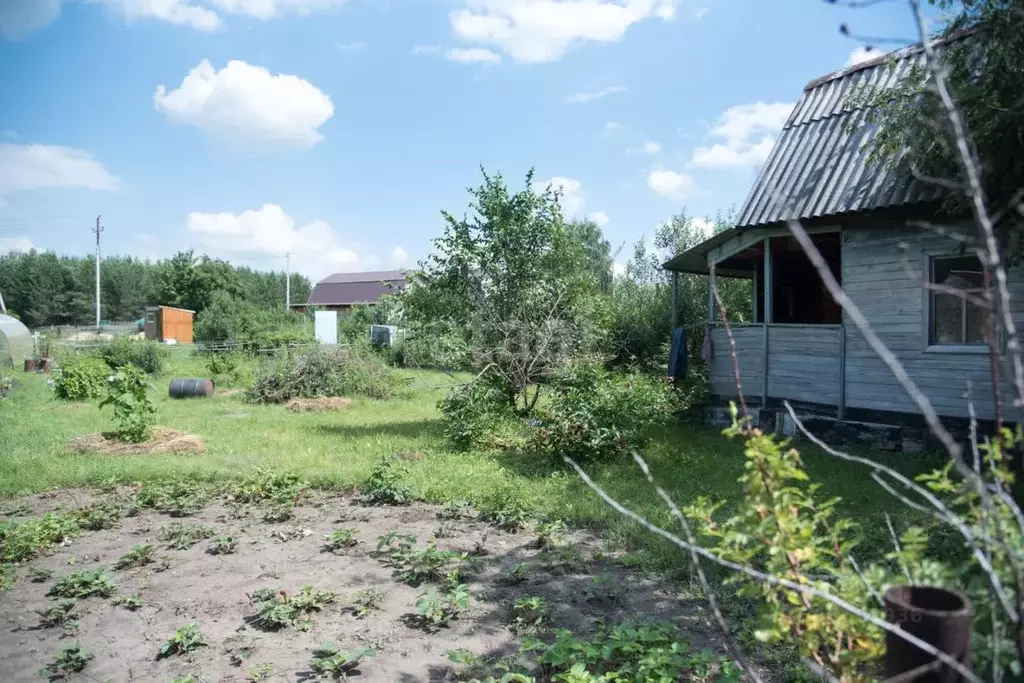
(214, 591)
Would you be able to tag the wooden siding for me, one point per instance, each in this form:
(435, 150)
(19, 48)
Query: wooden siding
(883, 273)
(803, 363)
(749, 354)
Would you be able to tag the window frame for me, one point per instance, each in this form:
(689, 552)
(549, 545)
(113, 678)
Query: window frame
(930, 257)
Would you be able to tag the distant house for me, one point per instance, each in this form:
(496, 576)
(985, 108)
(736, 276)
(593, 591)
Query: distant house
(342, 291)
(865, 220)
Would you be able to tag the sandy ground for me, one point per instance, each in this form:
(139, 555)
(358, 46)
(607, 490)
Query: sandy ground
(211, 591)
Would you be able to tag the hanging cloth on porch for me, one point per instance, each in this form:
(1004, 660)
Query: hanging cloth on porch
(677, 354)
(707, 351)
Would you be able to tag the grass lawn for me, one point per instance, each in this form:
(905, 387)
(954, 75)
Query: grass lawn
(338, 450)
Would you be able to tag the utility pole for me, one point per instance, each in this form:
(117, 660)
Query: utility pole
(288, 281)
(98, 229)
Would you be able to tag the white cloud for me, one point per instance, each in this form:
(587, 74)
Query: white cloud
(351, 47)
(266, 234)
(599, 217)
(705, 225)
(32, 167)
(618, 269)
(861, 53)
(677, 186)
(611, 126)
(178, 12)
(472, 55)
(572, 199)
(8, 244)
(544, 30)
(247, 104)
(584, 97)
(269, 9)
(426, 49)
(700, 12)
(19, 18)
(399, 256)
(748, 131)
(651, 147)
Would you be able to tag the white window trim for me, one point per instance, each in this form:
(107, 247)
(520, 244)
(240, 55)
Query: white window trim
(964, 349)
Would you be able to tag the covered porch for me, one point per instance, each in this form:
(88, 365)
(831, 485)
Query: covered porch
(793, 343)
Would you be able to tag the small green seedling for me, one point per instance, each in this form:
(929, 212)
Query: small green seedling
(505, 510)
(341, 539)
(129, 602)
(37, 575)
(222, 545)
(60, 615)
(385, 485)
(457, 510)
(439, 609)
(517, 573)
(550, 535)
(418, 566)
(563, 559)
(260, 672)
(530, 615)
(68, 661)
(178, 498)
(187, 679)
(138, 556)
(239, 656)
(602, 589)
(277, 610)
(330, 661)
(365, 601)
(98, 516)
(180, 536)
(83, 585)
(185, 640)
(277, 513)
(394, 541)
(445, 529)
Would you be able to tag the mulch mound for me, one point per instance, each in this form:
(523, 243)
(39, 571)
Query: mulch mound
(161, 440)
(318, 404)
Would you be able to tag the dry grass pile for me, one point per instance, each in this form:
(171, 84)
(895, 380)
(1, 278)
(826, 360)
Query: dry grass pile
(161, 440)
(318, 404)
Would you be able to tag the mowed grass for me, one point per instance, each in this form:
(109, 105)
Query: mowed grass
(338, 450)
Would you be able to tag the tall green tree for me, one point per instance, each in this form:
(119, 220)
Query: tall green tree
(514, 280)
(985, 60)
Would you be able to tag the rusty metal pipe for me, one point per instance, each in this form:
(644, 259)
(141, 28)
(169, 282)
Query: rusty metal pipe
(938, 616)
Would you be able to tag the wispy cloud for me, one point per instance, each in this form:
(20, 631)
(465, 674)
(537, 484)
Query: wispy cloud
(473, 55)
(584, 97)
(426, 49)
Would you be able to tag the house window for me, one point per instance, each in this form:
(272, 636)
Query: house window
(956, 320)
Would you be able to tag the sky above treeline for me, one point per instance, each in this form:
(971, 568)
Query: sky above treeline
(335, 130)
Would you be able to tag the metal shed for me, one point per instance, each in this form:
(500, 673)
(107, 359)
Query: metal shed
(15, 341)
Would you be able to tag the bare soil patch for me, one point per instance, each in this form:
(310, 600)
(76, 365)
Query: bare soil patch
(161, 440)
(319, 404)
(211, 590)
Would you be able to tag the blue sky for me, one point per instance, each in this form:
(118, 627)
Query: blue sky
(337, 129)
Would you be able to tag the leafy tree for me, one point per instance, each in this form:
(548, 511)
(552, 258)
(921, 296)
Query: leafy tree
(642, 299)
(189, 281)
(986, 75)
(514, 280)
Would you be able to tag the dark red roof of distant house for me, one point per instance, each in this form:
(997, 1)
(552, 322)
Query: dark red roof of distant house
(348, 289)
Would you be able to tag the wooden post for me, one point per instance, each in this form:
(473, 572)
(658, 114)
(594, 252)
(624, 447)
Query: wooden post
(675, 300)
(841, 410)
(764, 368)
(711, 290)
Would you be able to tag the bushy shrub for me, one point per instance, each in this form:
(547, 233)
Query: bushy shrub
(81, 379)
(324, 371)
(133, 411)
(228, 369)
(594, 413)
(470, 411)
(147, 356)
(230, 319)
(418, 349)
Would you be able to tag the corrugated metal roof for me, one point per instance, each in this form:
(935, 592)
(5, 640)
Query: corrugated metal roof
(818, 166)
(371, 276)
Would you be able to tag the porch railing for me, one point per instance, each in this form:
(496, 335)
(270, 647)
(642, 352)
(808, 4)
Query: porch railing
(797, 362)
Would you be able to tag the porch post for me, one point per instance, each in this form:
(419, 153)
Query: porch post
(768, 314)
(675, 299)
(711, 290)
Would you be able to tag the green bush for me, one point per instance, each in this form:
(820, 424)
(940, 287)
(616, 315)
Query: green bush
(469, 412)
(324, 371)
(148, 356)
(81, 380)
(228, 369)
(230, 319)
(594, 413)
(133, 411)
(419, 349)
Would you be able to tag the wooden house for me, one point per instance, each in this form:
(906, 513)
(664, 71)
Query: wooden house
(168, 322)
(865, 220)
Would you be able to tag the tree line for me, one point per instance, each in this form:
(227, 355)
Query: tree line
(43, 288)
